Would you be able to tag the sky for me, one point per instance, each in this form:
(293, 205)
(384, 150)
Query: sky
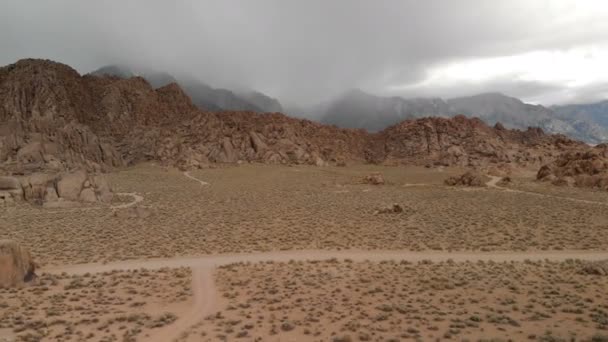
(305, 52)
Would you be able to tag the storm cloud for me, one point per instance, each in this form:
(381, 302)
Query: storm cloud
(307, 51)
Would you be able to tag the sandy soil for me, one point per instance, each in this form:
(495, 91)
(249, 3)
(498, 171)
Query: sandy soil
(459, 263)
(207, 301)
(393, 301)
(109, 306)
(262, 208)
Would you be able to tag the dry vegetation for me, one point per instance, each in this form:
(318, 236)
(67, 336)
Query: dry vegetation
(259, 208)
(112, 306)
(394, 301)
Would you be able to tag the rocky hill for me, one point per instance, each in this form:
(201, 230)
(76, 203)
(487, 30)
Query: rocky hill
(53, 118)
(588, 168)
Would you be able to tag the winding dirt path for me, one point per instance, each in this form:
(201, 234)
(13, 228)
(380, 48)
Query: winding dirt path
(188, 175)
(57, 210)
(136, 199)
(493, 183)
(205, 301)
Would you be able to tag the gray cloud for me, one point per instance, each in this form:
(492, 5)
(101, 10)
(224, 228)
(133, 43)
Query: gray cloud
(300, 51)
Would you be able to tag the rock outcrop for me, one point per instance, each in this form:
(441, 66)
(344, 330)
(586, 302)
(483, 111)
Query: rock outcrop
(16, 264)
(53, 119)
(587, 168)
(65, 189)
(469, 142)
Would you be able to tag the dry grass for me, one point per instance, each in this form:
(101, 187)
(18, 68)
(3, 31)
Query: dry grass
(260, 208)
(393, 301)
(113, 306)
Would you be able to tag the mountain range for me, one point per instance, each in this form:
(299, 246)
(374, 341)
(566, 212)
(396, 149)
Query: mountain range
(53, 118)
(358, 109)
(203, 96)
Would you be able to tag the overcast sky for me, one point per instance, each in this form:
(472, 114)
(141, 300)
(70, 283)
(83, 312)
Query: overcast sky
(544, 51)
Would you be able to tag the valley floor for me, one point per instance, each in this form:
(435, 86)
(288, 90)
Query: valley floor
(461, 263)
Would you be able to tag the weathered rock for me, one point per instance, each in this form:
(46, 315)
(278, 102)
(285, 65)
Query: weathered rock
(70, 185)
(53, 119)
(103, 191)
(66, 189)
(88, 195)
(35, 186)
(375, 178)
(12, 187)
(6, 199)
(504, 181)
(597, 268)
(51, 195)
(588, 168)
(9, 183)
(393, 209)
(469, 178)
(16, 264)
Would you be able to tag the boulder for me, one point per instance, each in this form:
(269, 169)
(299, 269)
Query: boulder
(393, 209)
(70, 185)
(375, 178)
(11, 186)
(16, 264)
(6, 198)
(102, 189)
(35, 186)
(88, 195)
(597, 268)
(9, 183)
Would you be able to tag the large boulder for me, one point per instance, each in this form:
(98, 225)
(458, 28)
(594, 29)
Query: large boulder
(11, 187)
(35, 187)
(70, 185)
(16, 264)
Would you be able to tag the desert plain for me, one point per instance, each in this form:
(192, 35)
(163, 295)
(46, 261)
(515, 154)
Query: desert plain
(303, 253)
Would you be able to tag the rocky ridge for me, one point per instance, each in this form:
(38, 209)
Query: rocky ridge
(53, 118)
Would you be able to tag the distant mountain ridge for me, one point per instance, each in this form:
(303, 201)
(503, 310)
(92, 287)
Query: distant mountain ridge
(203, 96)
(357, 109)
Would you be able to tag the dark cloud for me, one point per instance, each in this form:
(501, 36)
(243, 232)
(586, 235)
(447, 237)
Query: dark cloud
(301, 51)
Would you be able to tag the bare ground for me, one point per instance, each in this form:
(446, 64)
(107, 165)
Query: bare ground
(264, 208)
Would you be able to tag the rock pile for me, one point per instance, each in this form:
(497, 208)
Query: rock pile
(583, 169)
(469, 178)
(56, 189)
(375, 178)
